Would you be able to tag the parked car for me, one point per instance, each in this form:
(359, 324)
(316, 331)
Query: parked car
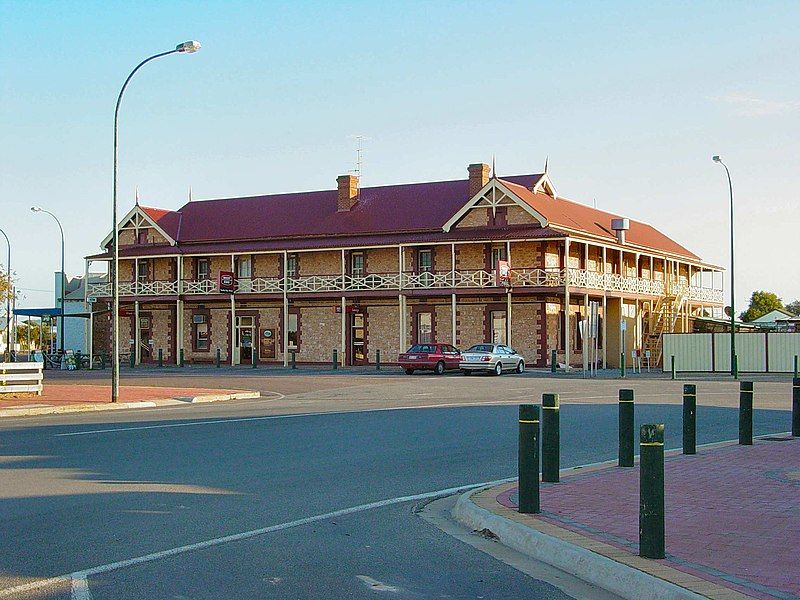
(492, 358)
(430, 357)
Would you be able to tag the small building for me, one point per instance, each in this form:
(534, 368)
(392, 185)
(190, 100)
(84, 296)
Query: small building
(487, 258)
(773, 319)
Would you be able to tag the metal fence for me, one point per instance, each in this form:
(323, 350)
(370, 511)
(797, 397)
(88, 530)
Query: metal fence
(759, 352)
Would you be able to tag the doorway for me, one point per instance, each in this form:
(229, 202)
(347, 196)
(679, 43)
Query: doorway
(358, 339)
(145, 339)
(245, 336)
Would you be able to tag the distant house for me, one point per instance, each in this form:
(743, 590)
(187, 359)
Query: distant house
(773, 319)
(76, 329)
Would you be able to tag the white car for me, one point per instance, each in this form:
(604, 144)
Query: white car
(492, 358)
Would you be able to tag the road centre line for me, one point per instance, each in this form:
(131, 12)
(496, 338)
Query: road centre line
(77, 576)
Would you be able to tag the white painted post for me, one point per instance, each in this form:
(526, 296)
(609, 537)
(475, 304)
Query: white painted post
(567, 328)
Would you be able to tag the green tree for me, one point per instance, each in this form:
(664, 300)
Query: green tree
(794, 307)
(761, 302)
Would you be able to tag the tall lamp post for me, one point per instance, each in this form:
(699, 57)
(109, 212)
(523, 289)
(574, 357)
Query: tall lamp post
(184, 48)
(8, 300)
(734, 358)
(37, 209)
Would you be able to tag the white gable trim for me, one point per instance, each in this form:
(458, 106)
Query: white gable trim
(545, 186)
(489, 192)
(137, 211)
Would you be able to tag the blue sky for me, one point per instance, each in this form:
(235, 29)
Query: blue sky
(628, 99)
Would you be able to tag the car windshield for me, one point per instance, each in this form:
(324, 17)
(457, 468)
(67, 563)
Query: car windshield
(415, 348)
(481, 348)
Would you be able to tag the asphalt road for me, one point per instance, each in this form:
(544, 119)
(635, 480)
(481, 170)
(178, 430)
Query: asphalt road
(131, 484)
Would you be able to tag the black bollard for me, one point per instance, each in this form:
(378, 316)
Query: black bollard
(622, 365)
(254, 357)
(181, 358)
(553, 363)
(294, 359)
(746, 413)
(689, 418)
(673, 366)
(133, 360)
(377, 360)
(77, 360)
(651, 491)
(551, 438)
(219, 358)
(796, 407)
(335, 359)
(160, 357)
(626, 439)
(528, 459)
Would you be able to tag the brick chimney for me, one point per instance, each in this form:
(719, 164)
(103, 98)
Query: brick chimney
(348, 192)
(478, 177)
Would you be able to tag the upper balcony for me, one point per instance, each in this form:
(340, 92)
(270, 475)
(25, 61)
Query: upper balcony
(433, 280)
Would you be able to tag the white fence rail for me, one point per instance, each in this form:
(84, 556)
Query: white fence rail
(759, 352)
(16, 378)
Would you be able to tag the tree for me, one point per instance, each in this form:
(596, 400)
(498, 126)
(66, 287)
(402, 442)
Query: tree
(794, 307)
(761, 302)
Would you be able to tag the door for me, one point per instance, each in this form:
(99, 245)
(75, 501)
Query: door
(358, 339)
(145, 339)
(498, 323)
(245, 334)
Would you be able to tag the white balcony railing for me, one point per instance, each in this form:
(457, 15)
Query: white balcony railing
(460, 279)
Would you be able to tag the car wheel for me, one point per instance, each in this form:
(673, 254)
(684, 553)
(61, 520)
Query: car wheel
(439, 368)
(520, 367)
(466, 371)
(409, 371)
(498, 368)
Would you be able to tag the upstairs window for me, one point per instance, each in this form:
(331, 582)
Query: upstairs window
(498, 254)
(142, 272)
(203, 269)
(291, 265)
(357, 264)
(141, 236)
(425, 261)
(244, 267)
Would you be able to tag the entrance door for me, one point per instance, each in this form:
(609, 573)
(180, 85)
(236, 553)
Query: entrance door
(145, 337)
(245, 334)
(358, 343)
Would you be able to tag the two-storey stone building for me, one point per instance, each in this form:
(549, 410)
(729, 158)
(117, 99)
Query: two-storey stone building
(380, 268)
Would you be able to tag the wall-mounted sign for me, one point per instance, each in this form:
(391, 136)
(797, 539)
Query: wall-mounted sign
(227, 282)
(503, 273)
(267, 346)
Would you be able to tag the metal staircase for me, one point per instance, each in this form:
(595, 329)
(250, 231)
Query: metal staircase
(662, 319)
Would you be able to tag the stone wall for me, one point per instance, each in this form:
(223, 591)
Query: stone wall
(383, 330)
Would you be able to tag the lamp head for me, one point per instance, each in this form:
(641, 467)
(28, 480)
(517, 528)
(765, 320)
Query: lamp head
(188, 47)
(717, 158)
(36, 209)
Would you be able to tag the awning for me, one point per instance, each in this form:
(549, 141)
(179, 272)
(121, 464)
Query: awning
(48, 312)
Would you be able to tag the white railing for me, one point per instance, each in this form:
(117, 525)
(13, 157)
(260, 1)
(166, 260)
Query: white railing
(520, 278)
(22, 377)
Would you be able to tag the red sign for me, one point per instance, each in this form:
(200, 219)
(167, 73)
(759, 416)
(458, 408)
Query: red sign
(227, 282)
(503, 273)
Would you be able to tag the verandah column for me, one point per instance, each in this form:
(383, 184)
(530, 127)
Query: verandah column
(179, 312)
(508, 297)
(567, 329)
(285, 308)
(401, 299)
(453, 336)
(343, 339)
(605, 314)
(234, 351)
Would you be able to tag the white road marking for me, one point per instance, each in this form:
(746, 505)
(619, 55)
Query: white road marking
(86, 573)
(80, 587)
(376, 585)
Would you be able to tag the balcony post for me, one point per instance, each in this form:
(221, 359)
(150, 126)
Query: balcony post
(285, 309)
(567, 328)
(605, 314)
(136, 341)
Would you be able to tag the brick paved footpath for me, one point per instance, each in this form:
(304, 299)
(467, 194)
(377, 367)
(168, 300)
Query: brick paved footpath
(732, 517)
(58, 394)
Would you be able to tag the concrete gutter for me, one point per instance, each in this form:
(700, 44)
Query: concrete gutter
(620, 579)
(93, 407)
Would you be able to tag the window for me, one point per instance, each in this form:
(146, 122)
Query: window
(425, 261)
(424, 328)
(498, 322)
(141, 236)
(203, 269)
(200, 335)
(293, 331)
(357, 264)
(244, 267)
(291, 265)
(498, 254)
(142, 271)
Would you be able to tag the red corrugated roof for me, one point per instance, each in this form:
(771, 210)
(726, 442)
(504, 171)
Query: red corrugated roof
(409, 212)
(582, 218)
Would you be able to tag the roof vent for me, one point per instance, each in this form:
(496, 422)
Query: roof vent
(620, 226)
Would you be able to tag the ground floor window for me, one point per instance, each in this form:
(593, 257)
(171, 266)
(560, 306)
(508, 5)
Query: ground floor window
(200, 332)
(498, 326)
(292, 330)
(424, 328)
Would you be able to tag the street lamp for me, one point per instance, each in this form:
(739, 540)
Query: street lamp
(8, 300)
(734, 358)
(184, 48)
(37, 209)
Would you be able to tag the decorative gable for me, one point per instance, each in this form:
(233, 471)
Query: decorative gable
(137, 227)
(495, 204)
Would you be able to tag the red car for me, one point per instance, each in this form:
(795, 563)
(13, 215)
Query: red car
(430, 357)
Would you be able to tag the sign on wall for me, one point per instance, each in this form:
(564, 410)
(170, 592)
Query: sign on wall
(503, 273)
(227, 282)
(267, 345)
